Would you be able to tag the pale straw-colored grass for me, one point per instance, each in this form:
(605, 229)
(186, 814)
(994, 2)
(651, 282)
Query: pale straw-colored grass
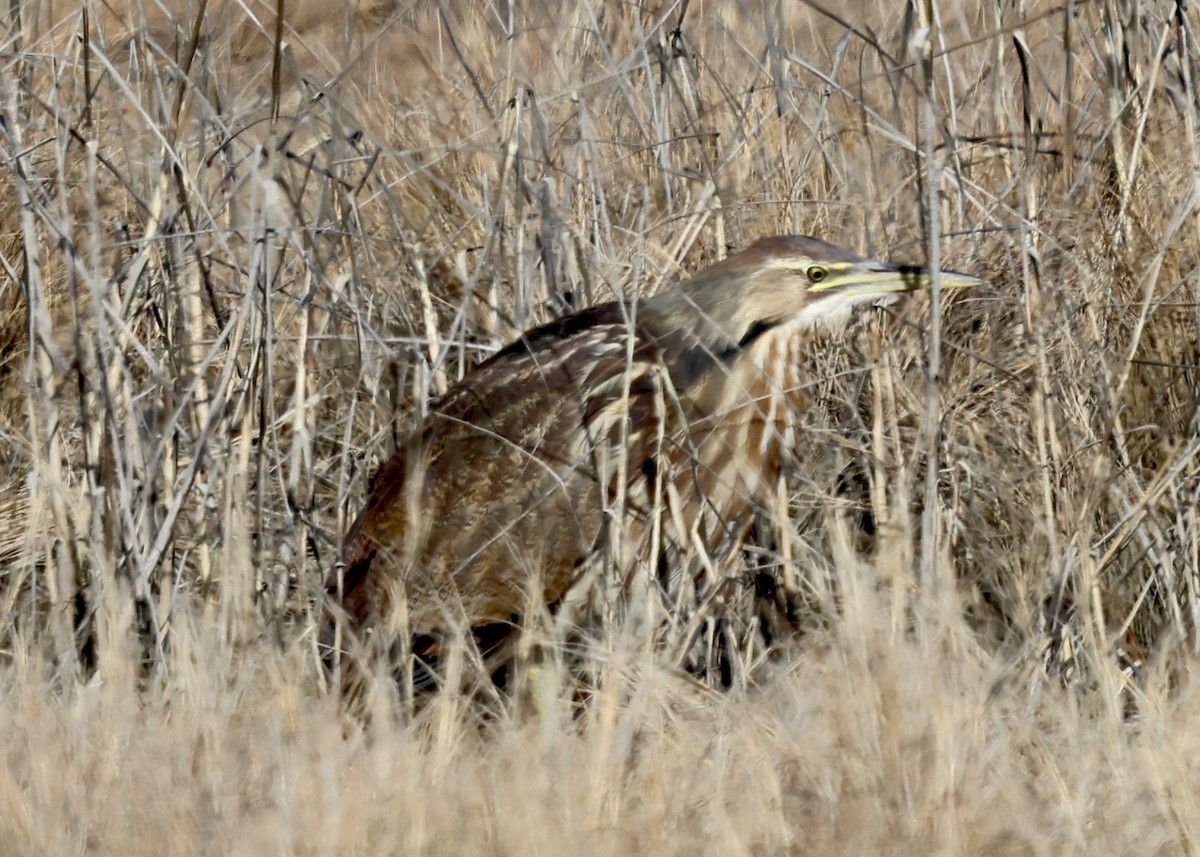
(237, 259)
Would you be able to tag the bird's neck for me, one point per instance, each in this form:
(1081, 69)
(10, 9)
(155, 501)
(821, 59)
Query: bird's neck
(760, 386)
(734, 388)
(742, 424)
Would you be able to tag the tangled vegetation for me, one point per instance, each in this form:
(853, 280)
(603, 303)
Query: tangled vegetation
(244, 244)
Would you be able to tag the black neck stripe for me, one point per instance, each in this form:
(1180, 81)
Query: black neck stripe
(756, 330)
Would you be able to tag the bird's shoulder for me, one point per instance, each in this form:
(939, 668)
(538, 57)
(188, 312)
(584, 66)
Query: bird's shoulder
(602, 321)
(574, 356)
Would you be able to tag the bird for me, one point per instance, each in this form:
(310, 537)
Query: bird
(627, 436)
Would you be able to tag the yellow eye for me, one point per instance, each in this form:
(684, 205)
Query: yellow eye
(816, 273)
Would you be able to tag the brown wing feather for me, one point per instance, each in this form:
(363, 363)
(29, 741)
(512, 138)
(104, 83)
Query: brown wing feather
(500, 494)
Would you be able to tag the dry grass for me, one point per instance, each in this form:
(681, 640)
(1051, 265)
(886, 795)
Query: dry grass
(236, 260)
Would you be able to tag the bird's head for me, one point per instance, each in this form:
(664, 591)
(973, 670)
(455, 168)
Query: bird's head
(785, 284)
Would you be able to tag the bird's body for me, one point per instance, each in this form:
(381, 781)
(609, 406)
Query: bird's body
(637, 433)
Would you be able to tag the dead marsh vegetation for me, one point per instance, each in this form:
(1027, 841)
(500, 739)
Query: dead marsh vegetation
(237, 257)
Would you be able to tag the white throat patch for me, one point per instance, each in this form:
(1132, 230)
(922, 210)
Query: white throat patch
(833, 312)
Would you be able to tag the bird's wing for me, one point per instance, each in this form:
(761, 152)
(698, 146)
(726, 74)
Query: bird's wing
(513, 477)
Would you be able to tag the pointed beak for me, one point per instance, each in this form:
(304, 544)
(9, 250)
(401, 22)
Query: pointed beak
(882, 278)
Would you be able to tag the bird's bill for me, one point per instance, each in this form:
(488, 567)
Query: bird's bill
(879, 279)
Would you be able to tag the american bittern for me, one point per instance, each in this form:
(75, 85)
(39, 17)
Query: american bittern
(639, 432)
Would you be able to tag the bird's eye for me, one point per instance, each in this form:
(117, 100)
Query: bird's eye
(816, 274)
